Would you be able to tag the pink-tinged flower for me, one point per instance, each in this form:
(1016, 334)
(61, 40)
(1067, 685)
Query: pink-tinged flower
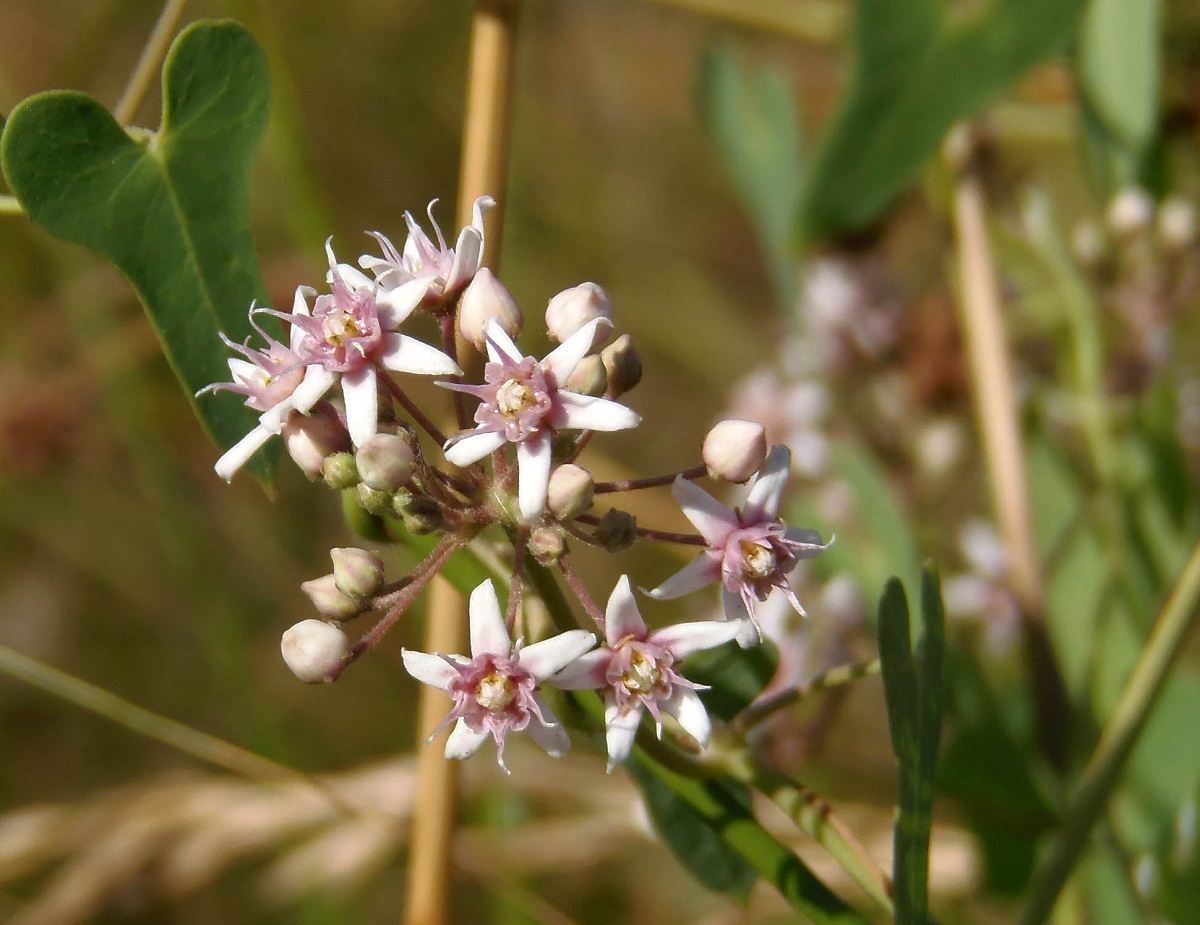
(446, 270)
(268, 378)
(522, 403)
(350, 334)
(495, 691)
(750, 551)
(637, 668)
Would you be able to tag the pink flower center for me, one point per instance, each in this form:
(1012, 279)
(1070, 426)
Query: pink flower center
(640, 672)
(760, 559)
(516, 399)
(344, 333)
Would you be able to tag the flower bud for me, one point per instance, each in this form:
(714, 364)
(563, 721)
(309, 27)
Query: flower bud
(357, 572)
(1177, 224)
(572, 308)
(372, 500)
(734, 450)
(570, 491)
(314, 650)
(331, 600)
(547, 545)
(1130, 212)
(385, 462)
(340, 471)
(589, 377)
(1088, 244)
(623, 365)
(310, 439)
(616, 530)
(487, 300)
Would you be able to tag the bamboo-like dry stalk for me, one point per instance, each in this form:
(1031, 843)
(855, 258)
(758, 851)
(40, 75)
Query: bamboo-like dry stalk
(484, 171)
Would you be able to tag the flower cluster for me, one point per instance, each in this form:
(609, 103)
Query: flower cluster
(337, 394)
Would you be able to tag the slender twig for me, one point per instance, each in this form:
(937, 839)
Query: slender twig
(834, 677)
(819, 21)
(686, 539)
(580, 590)
(999, 424)
(417, 414)
(695, 472)
(486, 132)
(1120, 735)
(580, 534)
(518, 573)
(403, 598)
(450, 345)
(150, 61)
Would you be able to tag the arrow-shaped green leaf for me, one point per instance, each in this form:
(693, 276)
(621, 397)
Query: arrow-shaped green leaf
(169, 209)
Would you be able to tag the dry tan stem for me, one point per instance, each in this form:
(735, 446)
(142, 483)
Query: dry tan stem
(484, 172)
(150, 61)
(1000, 432)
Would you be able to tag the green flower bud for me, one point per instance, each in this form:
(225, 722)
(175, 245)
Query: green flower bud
(422, 516)
(589, 377)
(373, 501)
(547, 545)
(340, 471)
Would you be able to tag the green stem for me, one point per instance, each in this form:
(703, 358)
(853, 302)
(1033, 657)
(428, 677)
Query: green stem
(1118, 740)
(834, 677)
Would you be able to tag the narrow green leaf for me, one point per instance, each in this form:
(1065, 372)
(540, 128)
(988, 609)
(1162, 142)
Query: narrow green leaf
(735, 676)
(722, 809)
(899, 671)
(753, 119)
(913, 78)
(170, 209)
(1118, 67)
(695, 842)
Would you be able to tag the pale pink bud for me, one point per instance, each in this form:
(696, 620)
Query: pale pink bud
(570, 491)
(589, 377)
(547, 545)
(331, 600)
(357, 572)
(385, 462)
(487, 300)
(1177, 224)
(314, 650)
(623, 365)
(1130, 212)
(312, 438)
(734, 450)
(573, 308)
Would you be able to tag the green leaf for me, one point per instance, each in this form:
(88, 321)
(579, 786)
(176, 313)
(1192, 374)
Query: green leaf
(753, 119)
(1118, 67)
(734, 675)
(687, 807)
(915, 693)
(695, 842)
(913, 77)
(170, 209)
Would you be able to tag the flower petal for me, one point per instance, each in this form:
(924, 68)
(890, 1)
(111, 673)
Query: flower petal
(562, 360)
(762, 504)
(545, 658)
(585, 673)
(620, 731)
(463, 741)
(352, 276)
(701, 571)
(621, 616)
(239, 454)
(810, 540)
(489, 636)
(428, 668)
(685, 705)
(361, 392)
(406, 354)
(394, 305)
(316, 382)
(682, 639)
(735, 607)
(500, 346)
(583, 412)
(708, 515)
(472, 447)
(552, 736)
(533, 474)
